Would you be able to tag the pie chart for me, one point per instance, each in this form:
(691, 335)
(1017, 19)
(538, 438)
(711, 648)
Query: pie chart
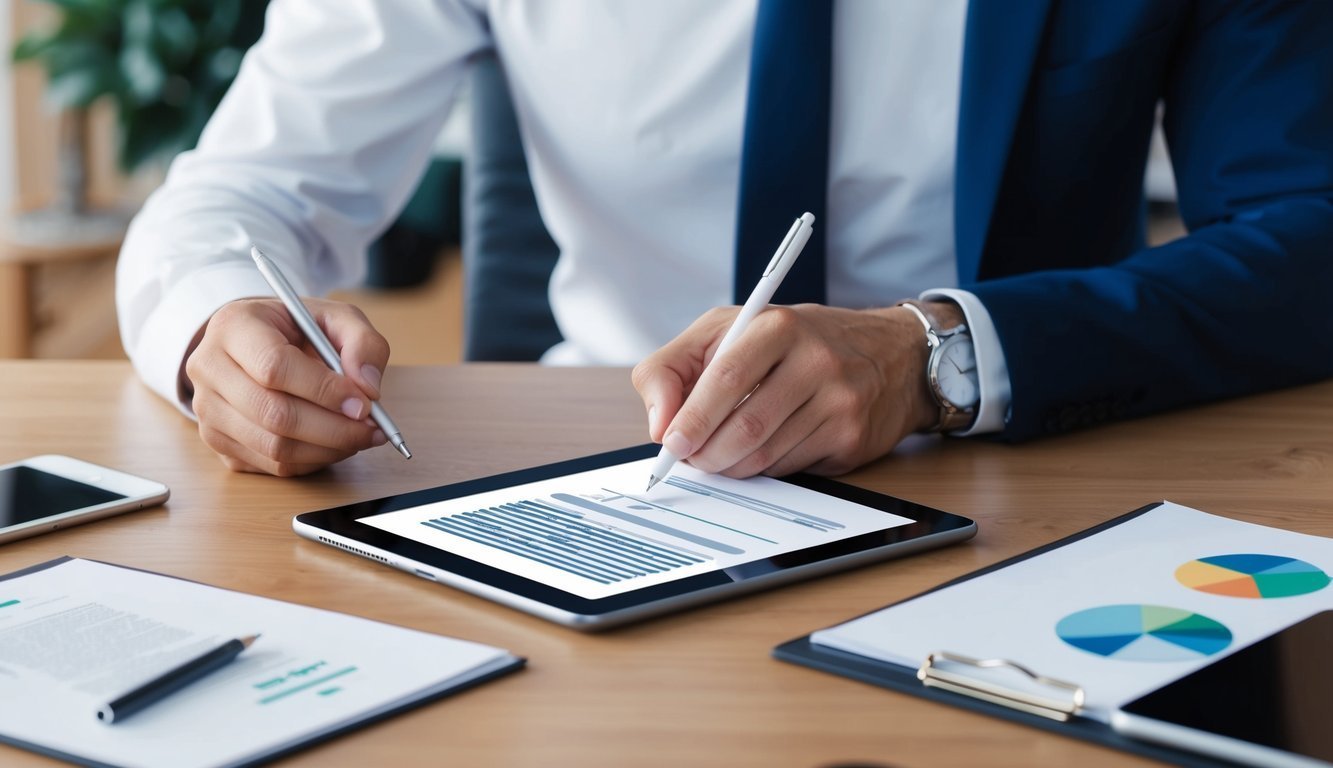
(1143, 633)
(1252, 576)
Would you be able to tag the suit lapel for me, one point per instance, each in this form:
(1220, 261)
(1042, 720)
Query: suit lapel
(999, 49)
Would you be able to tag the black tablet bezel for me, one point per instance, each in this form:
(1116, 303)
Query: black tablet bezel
(344, 522)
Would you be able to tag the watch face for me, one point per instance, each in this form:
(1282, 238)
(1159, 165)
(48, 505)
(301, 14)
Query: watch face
(956, 373)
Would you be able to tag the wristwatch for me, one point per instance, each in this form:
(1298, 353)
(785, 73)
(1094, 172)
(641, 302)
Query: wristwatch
(951, 373)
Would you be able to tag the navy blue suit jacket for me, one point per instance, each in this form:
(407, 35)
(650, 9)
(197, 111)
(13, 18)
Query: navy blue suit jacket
(1057, 106)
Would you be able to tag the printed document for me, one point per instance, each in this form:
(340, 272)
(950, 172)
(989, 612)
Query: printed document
(77, 633)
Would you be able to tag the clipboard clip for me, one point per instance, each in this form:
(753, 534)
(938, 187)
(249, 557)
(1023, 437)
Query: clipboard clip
(1062, 709)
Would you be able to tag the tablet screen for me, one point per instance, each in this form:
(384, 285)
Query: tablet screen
(597, 534)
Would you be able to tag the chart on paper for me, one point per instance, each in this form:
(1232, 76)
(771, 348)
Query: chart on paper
(591, 535)
(1253, 576)
(1143, 633)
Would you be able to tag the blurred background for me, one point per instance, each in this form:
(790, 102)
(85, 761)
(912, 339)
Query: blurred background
(97, 96)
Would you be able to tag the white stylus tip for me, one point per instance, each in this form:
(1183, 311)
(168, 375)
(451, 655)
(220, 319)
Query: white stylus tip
(808, 218)
(652, 480)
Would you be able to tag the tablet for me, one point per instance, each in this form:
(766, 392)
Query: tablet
(1266, 704)
(580, 542)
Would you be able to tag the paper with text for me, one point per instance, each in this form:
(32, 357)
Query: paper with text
(76, 634)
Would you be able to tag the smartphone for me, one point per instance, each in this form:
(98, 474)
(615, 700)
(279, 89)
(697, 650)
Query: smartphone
(1264, 705)
(47, 493)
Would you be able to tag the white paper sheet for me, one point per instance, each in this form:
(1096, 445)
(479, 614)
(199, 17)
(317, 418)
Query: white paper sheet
(77, 634)
(1091, 592)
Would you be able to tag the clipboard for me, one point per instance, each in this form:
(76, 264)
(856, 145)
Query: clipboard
(1010, 705)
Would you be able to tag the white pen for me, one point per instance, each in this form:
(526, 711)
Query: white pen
(278, 282)
(763, 291)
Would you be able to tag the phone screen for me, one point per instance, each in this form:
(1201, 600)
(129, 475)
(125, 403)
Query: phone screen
(1274, 693)
(28, 494)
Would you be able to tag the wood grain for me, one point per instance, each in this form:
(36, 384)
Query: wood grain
(698, 688)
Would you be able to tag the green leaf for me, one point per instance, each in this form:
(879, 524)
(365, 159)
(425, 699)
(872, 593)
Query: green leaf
(165, 63)
(90, 18)
(79, 55)
(223, 65)
(221, 22)
(143, 73)
(174, 36)
(87, 6)
(78, 88)
(78, 74)
(137, 23)
(34, 47)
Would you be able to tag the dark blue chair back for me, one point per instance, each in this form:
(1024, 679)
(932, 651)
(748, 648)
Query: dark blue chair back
(507, 253)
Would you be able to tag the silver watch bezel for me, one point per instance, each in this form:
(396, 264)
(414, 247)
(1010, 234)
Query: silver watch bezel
(953, 416)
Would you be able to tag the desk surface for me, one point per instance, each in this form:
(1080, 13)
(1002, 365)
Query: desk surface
(695, 689)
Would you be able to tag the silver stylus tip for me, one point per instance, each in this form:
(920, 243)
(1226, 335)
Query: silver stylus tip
(652, 480)
(402, 448)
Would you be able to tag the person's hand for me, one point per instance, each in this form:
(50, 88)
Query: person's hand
(828, 389)
(267, 403)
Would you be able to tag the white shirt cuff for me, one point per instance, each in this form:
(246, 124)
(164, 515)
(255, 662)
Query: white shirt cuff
(168, 331)
(992, 371)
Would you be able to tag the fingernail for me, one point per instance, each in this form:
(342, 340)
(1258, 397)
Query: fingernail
(353, 409)
(652, 417)
(378, 438)
(372, 376)
(678, 445)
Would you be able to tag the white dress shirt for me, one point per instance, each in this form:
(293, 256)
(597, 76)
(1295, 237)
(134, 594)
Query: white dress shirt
(632, 116)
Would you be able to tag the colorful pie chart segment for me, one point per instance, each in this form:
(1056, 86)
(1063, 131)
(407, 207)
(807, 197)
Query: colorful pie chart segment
(1252, 576)
(1143, 633)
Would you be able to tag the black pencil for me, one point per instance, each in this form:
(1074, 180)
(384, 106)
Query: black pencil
(173, 680)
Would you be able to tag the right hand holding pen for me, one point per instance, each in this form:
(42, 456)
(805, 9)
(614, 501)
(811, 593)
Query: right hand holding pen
(265, 401)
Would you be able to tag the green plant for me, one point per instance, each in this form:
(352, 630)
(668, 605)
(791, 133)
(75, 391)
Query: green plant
(164, 64)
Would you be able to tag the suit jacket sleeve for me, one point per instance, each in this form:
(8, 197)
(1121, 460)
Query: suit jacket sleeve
(1244, 303)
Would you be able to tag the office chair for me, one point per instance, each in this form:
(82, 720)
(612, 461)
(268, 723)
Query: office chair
(508, 255)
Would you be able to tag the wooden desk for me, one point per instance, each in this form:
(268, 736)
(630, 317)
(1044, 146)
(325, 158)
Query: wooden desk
(694, 689)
